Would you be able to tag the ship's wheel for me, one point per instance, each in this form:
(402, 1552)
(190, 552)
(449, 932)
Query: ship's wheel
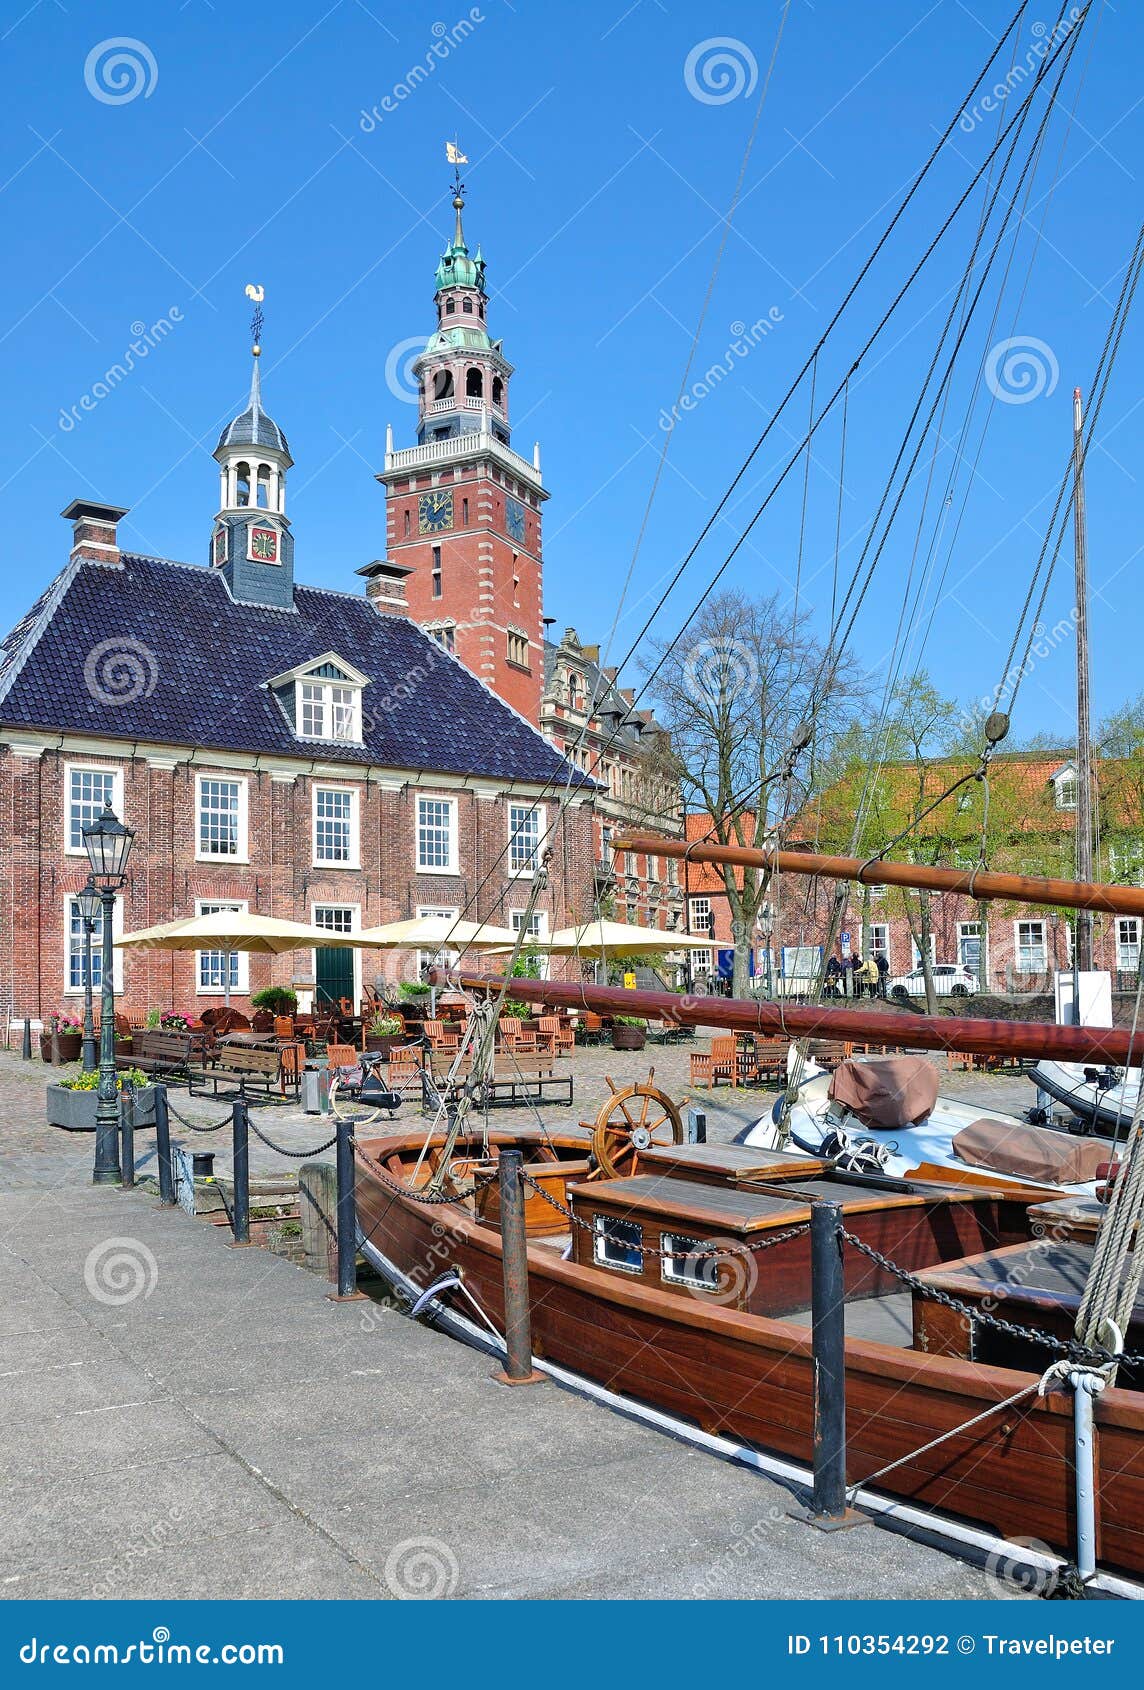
(632, 1120)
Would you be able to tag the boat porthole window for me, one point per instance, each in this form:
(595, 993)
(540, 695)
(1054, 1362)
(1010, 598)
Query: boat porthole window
(617, 1243)
(683, 1263)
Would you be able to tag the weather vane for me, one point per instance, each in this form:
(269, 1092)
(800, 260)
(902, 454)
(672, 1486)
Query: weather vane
(256, 294)
(456, 158)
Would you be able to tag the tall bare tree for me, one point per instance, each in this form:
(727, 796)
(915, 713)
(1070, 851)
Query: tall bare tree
(733, 690)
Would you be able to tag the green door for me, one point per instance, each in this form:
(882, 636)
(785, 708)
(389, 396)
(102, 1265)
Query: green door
(334, 971)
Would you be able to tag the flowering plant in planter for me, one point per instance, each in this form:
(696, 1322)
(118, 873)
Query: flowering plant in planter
(90, 1082)
(66, 1023)
(174, 1021)
(384, 1026)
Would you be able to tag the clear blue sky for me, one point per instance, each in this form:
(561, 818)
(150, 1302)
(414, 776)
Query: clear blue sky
(596, 185)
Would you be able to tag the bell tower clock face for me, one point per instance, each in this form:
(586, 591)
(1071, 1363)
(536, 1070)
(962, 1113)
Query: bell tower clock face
(264, 544)
(435, 511)
(220, 544)
(514, 521)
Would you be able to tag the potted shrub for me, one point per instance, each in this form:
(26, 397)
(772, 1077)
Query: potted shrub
(66, 1033)
(629, 1032)
(174, 1021)
(382, 1032)
(277, 1000)
(413, 996)
(72, 1102)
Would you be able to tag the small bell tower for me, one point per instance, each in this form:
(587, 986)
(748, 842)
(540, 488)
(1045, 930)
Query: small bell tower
(252, 544)
(463, 510)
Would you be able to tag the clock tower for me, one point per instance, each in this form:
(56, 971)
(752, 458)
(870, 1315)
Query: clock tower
(463, 510)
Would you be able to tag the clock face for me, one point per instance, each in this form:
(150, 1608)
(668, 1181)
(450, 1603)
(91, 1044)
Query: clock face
(435, 511)
(264, 544)
(220, 544)
(514, 520)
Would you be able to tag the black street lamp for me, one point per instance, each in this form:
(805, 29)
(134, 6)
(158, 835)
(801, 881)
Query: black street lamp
(108, 845)
(89, 907)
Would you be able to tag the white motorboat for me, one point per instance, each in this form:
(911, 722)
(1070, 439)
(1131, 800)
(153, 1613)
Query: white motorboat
(882, 1115)
(1103, 1098)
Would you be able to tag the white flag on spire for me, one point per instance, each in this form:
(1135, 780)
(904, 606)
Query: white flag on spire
(453, 154)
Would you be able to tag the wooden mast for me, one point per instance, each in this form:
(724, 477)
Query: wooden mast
(1031, 1040)
(1082, 950)
(981, 884)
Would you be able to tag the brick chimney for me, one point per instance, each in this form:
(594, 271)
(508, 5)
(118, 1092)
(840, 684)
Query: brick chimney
(385, 586)
(94, 531)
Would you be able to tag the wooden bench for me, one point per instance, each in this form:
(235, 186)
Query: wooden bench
(240, 1067)
(529, 1080)
(158, 1053)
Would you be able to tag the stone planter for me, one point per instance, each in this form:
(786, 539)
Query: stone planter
(629, 1038)
(70, 1046)
(75, 1110)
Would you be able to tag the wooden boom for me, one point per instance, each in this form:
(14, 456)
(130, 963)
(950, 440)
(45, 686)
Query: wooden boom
(1027, 1039)
(980, 884)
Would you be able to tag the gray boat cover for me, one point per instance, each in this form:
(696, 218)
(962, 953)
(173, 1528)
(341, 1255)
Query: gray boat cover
(1032, 1153)
(888, 1091)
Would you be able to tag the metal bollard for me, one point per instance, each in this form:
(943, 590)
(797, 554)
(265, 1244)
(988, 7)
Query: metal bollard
(240, 1212)
(127, 1137)
(163, 1146)
(347, 1291)
(26, 1047)
(518, 1368)
(828, 1510)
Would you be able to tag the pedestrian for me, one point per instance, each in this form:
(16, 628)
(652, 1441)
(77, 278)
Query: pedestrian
(849, 978)
(882, 963)
(870, 976)
(833, 971)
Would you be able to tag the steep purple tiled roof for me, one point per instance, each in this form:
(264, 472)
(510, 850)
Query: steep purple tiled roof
(159, 651)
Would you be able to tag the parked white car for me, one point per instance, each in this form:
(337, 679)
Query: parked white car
(950, 980)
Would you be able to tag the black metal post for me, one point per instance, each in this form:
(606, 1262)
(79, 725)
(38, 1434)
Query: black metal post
(828, 1345)
(518, 1368)
(89, 1058)
(347, 1290)
(107, 1170)
(127, 1135)
(26, 1048)
(163, 1146)
(241, 1200)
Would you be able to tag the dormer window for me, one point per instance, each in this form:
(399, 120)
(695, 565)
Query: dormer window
(1065, 789)
(323, 699)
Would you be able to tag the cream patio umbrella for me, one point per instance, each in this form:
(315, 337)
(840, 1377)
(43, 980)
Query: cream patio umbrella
(435, 933)
(622, 938)
(235, 930)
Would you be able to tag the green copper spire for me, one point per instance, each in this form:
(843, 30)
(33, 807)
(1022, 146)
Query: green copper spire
(456, 269)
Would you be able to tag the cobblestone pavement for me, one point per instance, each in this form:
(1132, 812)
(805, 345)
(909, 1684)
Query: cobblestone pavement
(35, 1154)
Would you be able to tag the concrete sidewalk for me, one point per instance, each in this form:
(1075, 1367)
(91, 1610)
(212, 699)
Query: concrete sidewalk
(183, 1419)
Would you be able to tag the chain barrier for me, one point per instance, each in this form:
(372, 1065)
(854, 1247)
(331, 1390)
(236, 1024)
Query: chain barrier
(298, 1155)
(191, 1126)
(429, 1199)
(717, 1252)
(1074, 1350)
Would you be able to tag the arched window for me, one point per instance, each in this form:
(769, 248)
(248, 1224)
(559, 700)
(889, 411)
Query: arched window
(498, 391)
(474, 384)
(443, 384)
(450, 307)
(242, 482)
(262, 489)
(467, 307)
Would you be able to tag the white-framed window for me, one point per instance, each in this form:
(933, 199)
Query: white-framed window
(1128, 943)
(221, 810)
(328, 710)
(525, 827)
(702, 962)
(87, 789)
(425, 959)
(684, 1263)
(221, 971)
(336, 830)
(537, 932)
(1029, 951)
(517, 648)
(880, 939)
(74, 949)
(1064, 795)
(617, 1243)
(436, 835)
(699, 915)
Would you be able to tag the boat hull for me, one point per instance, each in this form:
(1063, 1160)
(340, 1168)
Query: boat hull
(751, 1378)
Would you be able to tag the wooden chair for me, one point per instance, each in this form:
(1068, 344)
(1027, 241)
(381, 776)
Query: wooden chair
(591, 1028)
(283, 1026)
(293, 1059)
(512, 1037)
(556, 1035)
(342, 1056)
(721, 1062)
(346, 1009)
(262, 1022)
(441, 1037)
